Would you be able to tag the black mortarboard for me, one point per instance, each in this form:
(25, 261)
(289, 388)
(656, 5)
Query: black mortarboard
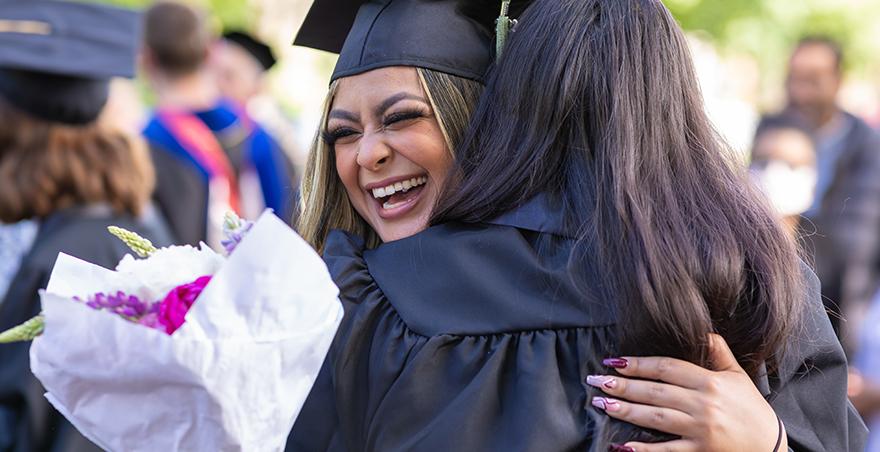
(259, 50)
(57, 57)
(452, 36)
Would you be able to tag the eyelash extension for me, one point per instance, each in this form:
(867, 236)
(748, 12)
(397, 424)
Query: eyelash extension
(404, 116)
(331, 136)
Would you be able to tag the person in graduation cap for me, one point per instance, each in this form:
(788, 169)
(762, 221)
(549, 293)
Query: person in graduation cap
(241, 63)
(65, 166)
(210, 156)
(588, 237)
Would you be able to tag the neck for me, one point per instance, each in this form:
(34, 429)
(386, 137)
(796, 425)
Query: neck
(825, 117)
(195, 91)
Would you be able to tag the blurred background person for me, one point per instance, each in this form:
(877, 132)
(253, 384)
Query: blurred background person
(210, 157)
(843, 222)
(241, 63)
(65, 168)
(15, 241)
(783, 164)
(864, 378)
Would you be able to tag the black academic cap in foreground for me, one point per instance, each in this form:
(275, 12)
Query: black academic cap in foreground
(452, 36)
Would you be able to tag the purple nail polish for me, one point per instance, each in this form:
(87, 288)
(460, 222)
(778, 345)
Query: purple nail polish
(620, 448)
(606, 404)
(616, 363)
(602, 381)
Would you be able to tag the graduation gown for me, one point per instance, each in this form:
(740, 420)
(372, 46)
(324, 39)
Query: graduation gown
(472, 338)
(28, 423)
(182, 181)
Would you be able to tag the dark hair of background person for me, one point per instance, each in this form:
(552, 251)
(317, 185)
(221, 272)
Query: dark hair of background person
(596, 103)
(47, 166)
(176, 37)
(827, 42)
(775, 123)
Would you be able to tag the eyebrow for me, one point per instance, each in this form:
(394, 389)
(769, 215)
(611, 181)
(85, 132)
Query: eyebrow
(389, 102)
(343, 114)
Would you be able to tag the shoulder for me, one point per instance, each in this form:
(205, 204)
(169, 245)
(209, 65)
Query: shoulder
(470, 279)
(86, 237)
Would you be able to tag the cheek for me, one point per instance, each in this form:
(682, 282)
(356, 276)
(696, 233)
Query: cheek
(347, 168)
(429, 151)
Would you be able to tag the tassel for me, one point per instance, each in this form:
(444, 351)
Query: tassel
(502, 28)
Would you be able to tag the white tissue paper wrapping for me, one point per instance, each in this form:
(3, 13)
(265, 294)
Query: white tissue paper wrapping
(233, 378)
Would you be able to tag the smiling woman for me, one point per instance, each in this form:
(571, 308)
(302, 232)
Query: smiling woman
(388, 135)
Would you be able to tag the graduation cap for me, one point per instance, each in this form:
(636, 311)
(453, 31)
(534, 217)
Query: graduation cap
(452, 36)
(57, 57)
(256, 48)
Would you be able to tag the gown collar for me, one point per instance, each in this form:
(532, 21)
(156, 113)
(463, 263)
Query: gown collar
(539, 214)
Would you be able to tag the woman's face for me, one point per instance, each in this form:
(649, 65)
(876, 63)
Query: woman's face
(390, 151)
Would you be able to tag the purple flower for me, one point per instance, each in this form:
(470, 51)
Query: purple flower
(129, 307)
(173, 309)
(234, 229)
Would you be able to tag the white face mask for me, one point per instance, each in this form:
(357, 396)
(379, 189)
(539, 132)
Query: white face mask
(790, 189)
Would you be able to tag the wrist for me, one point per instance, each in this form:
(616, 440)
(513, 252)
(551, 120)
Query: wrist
(782, 438)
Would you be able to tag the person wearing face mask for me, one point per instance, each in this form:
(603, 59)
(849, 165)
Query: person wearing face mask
(845, 212)
(784, 166)
(562, 300)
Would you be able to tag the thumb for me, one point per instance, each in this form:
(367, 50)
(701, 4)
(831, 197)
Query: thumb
(721, 357)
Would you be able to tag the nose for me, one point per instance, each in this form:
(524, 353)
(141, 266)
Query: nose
(373, 152)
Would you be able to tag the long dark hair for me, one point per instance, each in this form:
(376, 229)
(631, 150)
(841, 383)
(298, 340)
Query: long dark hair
(596, 103)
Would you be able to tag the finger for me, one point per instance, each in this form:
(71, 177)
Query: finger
(721, 356)
(657, 418)
(647, 392)
(679, 445)
(661, 368)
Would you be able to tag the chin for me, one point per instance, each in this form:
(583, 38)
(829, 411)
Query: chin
(399, 232)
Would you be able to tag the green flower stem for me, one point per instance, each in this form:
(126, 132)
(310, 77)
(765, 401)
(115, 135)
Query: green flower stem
(138, 244)
(27, 331)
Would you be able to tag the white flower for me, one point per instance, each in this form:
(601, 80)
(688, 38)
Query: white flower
(168, 268)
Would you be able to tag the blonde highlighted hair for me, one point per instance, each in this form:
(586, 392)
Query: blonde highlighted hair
(324, 204)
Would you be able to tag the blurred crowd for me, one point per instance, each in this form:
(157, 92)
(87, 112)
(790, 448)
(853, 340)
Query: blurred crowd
(818, 164)
(820, 168)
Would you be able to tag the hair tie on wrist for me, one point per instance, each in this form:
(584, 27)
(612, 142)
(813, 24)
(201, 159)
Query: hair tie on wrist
(779, 436)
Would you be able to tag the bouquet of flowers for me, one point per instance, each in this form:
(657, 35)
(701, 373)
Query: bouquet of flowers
(185, 349)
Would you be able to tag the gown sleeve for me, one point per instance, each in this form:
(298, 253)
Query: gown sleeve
(317, 426)
(808, 392)
(19, 390)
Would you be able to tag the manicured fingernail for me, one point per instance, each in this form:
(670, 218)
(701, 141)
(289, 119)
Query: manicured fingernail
(620, 448)
(616, 363)
(606, 404)
(602, 381)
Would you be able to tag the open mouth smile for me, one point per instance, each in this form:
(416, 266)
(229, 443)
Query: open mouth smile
(397, 197)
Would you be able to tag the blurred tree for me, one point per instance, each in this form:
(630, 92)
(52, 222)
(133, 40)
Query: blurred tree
(768, 28)
(226, 13)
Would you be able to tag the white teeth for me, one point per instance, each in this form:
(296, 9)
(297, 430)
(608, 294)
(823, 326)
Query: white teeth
(402, 186)
(387, 205)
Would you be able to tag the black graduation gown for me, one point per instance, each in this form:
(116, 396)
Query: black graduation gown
(28, 423)
(471, 338)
